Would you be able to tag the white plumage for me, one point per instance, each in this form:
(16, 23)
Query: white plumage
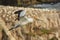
(23, 19)
(22, 13)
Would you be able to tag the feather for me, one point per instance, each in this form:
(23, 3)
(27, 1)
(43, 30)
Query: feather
(22, 13)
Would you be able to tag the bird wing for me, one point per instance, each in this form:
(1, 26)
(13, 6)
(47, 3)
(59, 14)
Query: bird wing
(22, 13)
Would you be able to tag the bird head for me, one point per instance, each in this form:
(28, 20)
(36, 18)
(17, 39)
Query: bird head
(16, 12)
(21, 13)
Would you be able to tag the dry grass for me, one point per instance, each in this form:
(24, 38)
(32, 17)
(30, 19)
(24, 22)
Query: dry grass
(46, 22)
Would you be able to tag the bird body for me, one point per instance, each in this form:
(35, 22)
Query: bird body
(23, 20)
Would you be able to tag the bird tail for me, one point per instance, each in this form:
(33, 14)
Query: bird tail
(16, 26)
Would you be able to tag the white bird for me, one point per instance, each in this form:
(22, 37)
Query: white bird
(23, 20)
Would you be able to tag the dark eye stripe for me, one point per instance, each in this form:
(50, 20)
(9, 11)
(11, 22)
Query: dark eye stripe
(18, 11)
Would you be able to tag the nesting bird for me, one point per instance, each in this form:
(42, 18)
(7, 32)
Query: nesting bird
(22, 19)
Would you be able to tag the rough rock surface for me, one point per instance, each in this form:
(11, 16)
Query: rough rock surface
(46, 25)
